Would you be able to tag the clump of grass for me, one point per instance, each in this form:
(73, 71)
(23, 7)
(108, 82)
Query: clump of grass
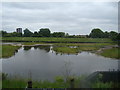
(66, 50)
(32, 43)
(88, 48)
(8, 50)
(84, 44)
(111, 53)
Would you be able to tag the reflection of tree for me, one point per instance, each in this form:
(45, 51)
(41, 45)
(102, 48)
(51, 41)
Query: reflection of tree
(35, 47)
(44, 47)
(26, 48)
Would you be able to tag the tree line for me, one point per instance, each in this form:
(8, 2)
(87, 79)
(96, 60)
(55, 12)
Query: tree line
(45, 32)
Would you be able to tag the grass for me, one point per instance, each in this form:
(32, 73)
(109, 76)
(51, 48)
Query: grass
(8, 50)
(111, 53)
(32, 43)
(67, 50)
(54, 40)
(105, 85)
(84, 44)
(58, 82)
(88, 48)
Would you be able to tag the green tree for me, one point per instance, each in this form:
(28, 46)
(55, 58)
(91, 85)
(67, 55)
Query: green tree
(35, 34)
(113, 35)
(44, 32)
(27, 33)
(96, 33)
(106, 34)
(58, 34)
(15, 34)
(3, 33)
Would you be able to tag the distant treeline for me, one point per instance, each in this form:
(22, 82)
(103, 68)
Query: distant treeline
(45, 32)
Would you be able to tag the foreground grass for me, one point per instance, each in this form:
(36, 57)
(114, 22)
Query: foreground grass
(55, 40)
(105, 85)
(111, 53)
(59, 82)
(8, 50)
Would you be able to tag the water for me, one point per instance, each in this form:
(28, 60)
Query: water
(41, 63)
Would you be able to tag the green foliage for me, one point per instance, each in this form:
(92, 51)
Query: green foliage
(35, 34)
(113, 35)
(111, 53)
(22, 83)
(96, 33)
(56, 40)
(4, 76)
(8, 50)
(3, 33)
(66, 50)
(58, 34)
(27, 33)
(44, 32)
(102, 85)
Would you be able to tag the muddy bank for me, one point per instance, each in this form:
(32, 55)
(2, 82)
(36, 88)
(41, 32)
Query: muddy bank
(106, 47)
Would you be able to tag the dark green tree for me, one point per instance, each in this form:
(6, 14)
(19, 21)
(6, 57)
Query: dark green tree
(3, 33)
(106, 34)
(96, 33)
(27, 33)
(15, 34)
(58, 34)
(113, 35)
(44, 32)
(35, 34)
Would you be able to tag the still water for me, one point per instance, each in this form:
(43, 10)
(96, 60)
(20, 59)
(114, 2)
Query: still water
(41, 63)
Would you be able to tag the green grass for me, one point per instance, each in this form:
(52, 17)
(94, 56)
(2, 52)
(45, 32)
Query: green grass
(14, 83)
(66, 50)
(105, 85)
(88, 48)
(8, 50)
(58, 82)
(32, 43)
(84, 44)
(55, 40)
(111, 53)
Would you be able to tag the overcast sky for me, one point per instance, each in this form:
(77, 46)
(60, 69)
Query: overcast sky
(70, 17)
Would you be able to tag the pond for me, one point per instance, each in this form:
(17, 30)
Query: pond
(41, 63)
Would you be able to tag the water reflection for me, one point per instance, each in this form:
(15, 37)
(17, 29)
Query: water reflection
(46, 66)
(26, 48)
(41, 47)
(44, 47)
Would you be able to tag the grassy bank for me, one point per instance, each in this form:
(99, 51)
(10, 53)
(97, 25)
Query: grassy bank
(111, 53)
(8, 50)
(55, 40)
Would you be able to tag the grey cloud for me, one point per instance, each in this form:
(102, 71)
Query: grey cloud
(70, 17)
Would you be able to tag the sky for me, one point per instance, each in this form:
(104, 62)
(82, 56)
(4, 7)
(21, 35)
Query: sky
(70, 17)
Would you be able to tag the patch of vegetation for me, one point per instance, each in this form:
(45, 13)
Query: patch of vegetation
(111, 53)
(8, 50)
(67, 50)
(55, 39)
(84, 44)
(31, 43)
(88, 48)
(105, 85)
(58, 82)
